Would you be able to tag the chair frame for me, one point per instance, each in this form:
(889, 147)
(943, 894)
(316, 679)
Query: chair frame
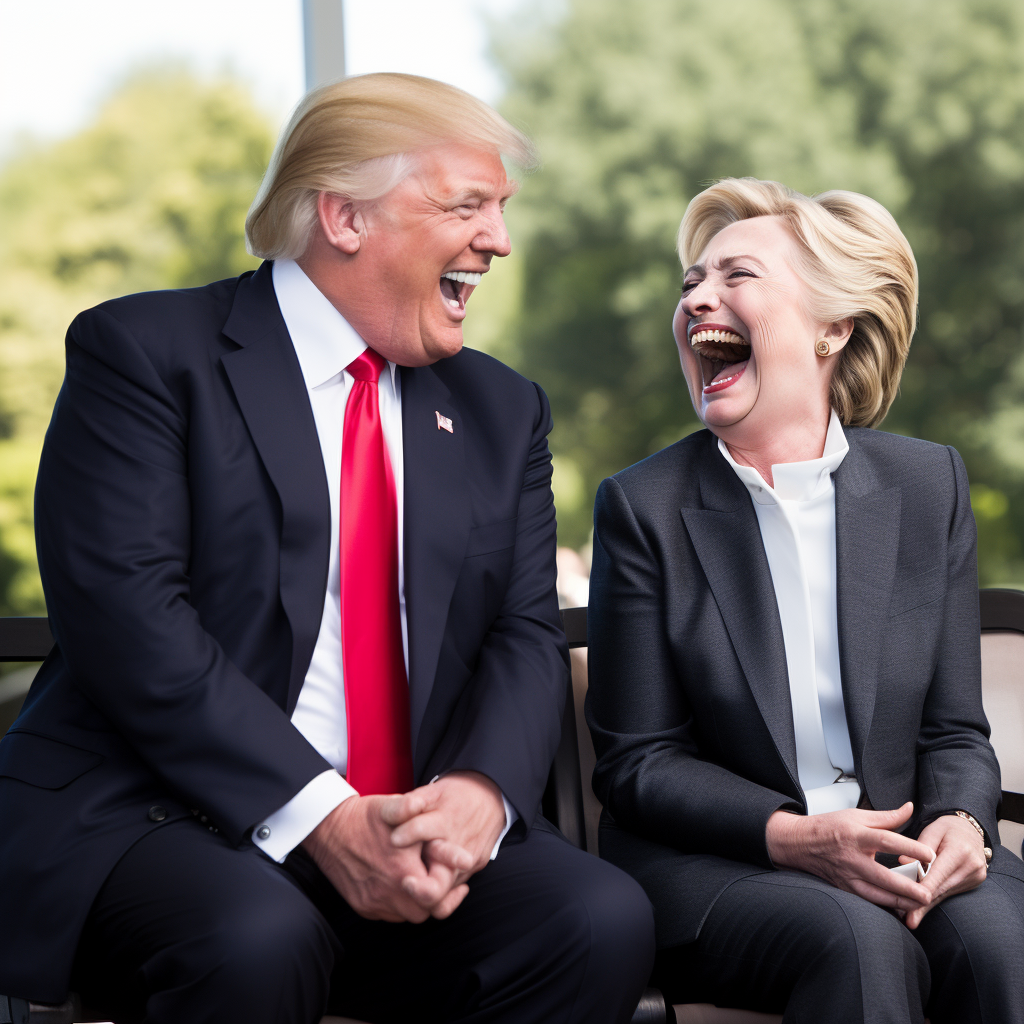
(1001, 611)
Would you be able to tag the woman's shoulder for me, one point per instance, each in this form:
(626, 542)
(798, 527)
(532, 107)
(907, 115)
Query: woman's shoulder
(670, 466)
(909, 462)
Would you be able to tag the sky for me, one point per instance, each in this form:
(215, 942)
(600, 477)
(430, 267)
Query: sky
(60, 58)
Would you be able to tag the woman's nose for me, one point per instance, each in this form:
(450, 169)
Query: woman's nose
(701, 298)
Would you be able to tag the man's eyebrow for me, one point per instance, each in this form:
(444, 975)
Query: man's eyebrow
(483, 194)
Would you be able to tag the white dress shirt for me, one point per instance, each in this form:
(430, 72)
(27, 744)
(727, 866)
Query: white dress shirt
(797, 518)
(325, 343)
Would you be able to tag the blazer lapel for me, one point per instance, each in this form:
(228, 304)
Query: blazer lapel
(437, 524)
(867, 540)
(727, 539)
(268, 384)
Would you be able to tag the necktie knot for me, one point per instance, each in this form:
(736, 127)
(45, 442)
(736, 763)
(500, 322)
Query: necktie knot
(367, 366)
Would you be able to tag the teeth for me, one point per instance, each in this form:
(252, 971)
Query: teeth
(722, 337)
(463, 276)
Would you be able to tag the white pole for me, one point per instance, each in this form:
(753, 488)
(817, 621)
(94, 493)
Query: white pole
(323, 24)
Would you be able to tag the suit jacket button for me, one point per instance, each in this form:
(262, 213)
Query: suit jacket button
(157, 813)
(263, 832)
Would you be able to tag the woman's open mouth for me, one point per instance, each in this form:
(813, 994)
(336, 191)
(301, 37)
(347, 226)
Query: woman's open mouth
(456, 288)
(721, 353)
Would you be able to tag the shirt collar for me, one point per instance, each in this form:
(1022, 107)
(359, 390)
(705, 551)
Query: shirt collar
(325, 342)
(795, 481)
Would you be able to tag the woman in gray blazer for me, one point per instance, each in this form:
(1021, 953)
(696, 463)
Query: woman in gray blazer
(784, 647)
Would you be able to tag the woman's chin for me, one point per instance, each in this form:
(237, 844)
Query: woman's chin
(724, 409)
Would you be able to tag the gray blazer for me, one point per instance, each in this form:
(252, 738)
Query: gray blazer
(689, 696)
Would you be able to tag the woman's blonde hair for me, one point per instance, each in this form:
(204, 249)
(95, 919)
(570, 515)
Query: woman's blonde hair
(857, 264)
(357, 138)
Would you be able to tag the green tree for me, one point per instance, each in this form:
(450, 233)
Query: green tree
(637, 107)
(153, 194)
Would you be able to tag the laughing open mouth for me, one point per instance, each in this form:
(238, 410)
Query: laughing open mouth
(722, 355)
(457, 286)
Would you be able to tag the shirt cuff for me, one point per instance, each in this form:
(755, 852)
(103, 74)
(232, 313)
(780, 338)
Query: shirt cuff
(511, 817)
(279, 833)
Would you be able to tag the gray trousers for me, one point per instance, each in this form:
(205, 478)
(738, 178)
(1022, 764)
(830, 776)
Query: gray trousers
(787, 942)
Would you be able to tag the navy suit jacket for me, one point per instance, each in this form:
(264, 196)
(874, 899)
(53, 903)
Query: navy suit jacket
(182, 524)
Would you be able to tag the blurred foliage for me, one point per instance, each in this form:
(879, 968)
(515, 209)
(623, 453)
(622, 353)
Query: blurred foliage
(636, 107)
(152, 195)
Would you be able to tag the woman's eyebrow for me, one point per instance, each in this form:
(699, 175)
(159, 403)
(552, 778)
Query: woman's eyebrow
(726, 261)
(697, 268)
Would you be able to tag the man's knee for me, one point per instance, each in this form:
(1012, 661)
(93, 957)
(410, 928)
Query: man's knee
(609, 919)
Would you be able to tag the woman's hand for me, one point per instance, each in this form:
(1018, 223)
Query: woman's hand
(959, 863)
(840, 847)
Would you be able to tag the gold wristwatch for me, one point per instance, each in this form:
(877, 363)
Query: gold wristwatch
(981, 832)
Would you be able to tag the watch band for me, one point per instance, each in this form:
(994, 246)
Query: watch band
(981, 832)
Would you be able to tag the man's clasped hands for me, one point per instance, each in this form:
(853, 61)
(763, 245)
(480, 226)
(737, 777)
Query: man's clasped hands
(840, 847)
(408, 857)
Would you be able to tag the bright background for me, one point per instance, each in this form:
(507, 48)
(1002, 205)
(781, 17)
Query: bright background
(133, 136)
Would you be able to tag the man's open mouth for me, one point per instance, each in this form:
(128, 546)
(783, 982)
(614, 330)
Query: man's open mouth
(722, 355)
(457, 286)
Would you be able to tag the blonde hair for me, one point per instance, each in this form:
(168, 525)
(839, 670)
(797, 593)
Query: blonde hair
(358, 138)
(857, 264)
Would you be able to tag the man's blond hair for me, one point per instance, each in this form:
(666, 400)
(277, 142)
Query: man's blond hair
(857, 264)
(358, 138)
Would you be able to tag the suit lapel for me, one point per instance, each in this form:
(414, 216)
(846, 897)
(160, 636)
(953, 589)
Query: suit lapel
(437, 523)
(867, 541)
(265, 376)
(727, 539)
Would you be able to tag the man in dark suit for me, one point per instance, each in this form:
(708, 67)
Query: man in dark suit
(298, 553)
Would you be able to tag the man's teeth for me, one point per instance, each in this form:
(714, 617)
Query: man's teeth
(463, 276)
(722, 337)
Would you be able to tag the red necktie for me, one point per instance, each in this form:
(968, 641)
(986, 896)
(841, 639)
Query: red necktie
(376, 688)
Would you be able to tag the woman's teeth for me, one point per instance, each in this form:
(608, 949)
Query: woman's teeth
(722, 337)
(463, 276)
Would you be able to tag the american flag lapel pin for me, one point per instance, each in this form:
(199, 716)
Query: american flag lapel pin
(444, 423)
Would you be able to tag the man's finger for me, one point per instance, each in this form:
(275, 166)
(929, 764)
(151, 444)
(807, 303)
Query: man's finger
(449, 854)
(430, 889)
(450, 903)
(422, 828)
(398, 809)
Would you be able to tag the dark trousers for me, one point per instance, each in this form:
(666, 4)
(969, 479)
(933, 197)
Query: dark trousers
(787, 942)
(188, 928)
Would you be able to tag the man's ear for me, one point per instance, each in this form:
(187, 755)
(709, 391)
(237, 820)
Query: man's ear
(838, 334)
(340, 221)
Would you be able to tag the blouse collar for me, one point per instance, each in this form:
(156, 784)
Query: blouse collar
(795, 481)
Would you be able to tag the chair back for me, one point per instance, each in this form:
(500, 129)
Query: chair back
(1002, 691)
(21, 639)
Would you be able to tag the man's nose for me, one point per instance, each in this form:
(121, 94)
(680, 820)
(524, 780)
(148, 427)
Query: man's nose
(701, 298)
(494, 237)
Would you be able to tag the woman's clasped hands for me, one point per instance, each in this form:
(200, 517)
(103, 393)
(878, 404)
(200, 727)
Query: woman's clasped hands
(840, 847)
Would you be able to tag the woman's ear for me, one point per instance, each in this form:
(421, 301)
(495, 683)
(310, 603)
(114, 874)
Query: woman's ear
(340, 221)
(838, 334)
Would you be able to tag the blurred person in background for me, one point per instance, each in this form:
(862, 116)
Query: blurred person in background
(298, 550)
(784, 646)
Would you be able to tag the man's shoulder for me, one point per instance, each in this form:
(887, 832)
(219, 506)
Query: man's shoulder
(155, 319)
(486, 389)
(473, 367)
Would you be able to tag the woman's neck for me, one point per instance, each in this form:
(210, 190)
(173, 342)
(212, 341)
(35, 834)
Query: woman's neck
(794, 442)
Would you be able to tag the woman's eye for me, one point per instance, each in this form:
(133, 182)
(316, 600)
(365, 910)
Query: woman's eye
(741, 273)
(687, 285)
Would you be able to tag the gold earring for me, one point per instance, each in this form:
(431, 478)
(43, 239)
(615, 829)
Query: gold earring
(821, 347)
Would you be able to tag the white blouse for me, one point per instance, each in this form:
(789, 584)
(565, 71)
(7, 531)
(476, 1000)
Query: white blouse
(797, 518)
